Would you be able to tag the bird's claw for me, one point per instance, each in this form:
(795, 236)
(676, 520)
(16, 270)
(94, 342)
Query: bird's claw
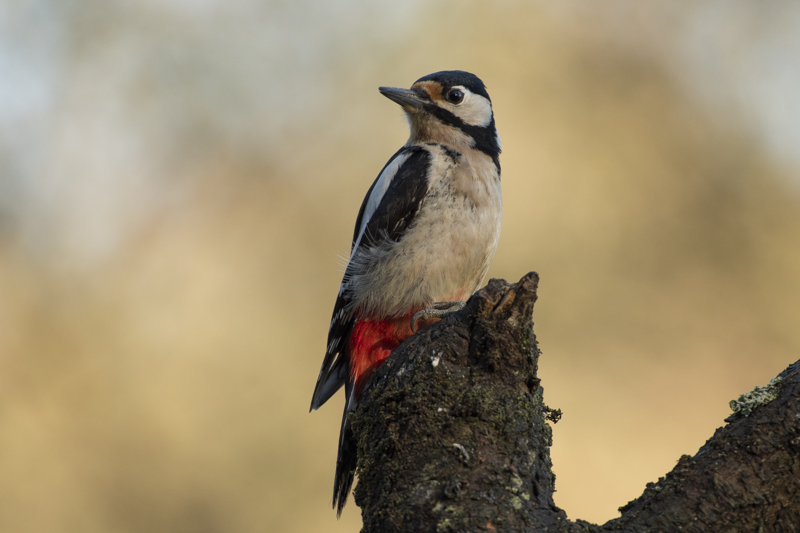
(436, 310)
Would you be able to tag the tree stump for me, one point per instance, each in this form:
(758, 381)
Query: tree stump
(453, 436)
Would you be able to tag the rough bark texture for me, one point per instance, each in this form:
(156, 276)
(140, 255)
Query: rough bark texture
(453, 436)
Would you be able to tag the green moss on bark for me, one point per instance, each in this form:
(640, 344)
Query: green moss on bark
(454, 427)
(453, 436)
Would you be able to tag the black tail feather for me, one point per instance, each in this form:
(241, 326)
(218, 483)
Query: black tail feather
(346, 460)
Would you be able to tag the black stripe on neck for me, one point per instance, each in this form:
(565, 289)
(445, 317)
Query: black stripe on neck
(485, 137)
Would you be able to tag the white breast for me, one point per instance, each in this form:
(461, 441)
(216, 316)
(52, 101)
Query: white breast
(446, 252)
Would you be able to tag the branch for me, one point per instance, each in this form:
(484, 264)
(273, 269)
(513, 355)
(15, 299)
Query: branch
(452, 435)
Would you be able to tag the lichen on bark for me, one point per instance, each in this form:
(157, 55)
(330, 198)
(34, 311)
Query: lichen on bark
(454, 428)
(453, 436)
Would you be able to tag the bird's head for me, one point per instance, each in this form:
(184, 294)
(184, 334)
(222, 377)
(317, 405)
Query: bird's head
(450, 107)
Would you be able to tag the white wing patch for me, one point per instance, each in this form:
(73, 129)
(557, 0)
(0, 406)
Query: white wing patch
(376, 196)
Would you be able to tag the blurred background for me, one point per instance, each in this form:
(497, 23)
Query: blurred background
(178, 179)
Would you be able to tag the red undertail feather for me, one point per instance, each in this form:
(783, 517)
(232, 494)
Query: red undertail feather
(371, 342)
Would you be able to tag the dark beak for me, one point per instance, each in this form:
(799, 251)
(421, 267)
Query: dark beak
(406, 97)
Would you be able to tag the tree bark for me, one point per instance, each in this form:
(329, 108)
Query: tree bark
(453, 436)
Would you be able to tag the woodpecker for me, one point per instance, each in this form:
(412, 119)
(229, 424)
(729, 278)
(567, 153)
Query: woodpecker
(424, 237)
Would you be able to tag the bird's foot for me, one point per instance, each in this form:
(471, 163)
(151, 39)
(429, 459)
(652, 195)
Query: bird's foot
(436, 310)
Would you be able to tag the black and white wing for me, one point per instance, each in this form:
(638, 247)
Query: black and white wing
(388, 209)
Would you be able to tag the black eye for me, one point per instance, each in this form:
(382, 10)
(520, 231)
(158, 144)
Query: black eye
(454, 96)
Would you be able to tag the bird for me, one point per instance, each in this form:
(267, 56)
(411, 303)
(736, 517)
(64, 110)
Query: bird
(424, 237)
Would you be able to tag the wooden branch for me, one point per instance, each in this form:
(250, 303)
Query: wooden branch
(453, 435)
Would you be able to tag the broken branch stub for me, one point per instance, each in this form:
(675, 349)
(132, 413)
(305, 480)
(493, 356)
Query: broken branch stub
(452, 435)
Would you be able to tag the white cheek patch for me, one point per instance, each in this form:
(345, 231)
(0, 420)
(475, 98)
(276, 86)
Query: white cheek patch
(475, 110)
